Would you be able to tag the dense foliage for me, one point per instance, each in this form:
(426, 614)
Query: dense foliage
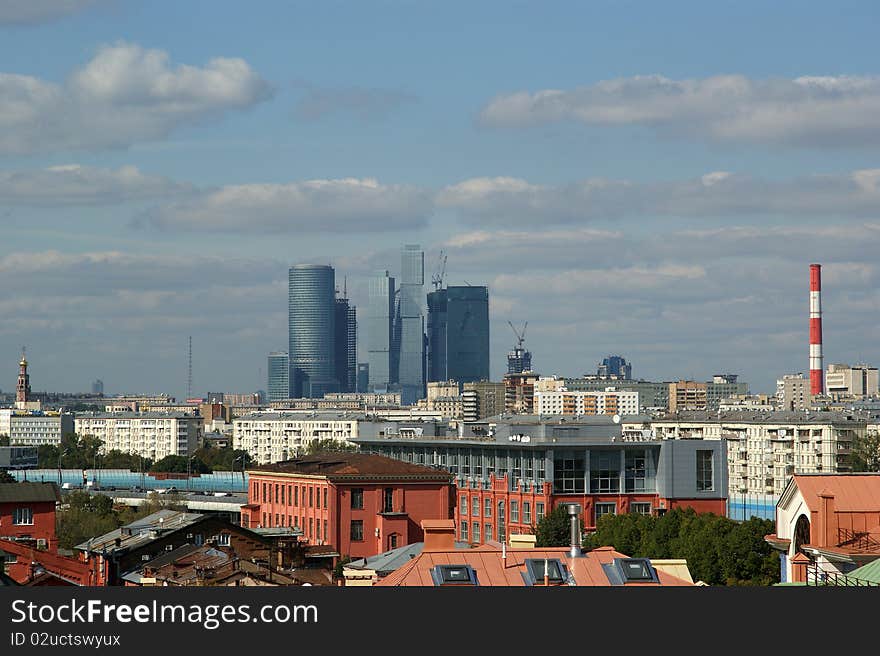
(554, 529)
(865, 455)
(718, 550)
(328, 445)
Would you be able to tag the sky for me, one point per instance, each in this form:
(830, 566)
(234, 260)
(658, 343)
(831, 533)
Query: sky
(635, 178)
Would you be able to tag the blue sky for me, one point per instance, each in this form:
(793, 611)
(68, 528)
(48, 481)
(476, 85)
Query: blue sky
(557, 151)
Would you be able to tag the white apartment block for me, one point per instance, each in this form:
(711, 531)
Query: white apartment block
(765, 449)
(608, 402)
(276, 436)
(33, 428)
(793, 392)
(151, 435)
(843, 380)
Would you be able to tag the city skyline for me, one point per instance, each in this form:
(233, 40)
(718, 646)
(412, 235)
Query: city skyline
(653, 193)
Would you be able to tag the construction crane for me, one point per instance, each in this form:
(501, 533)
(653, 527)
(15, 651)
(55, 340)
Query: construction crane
(437, 278)
(520, 336)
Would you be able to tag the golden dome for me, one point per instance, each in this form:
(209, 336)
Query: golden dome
(23, 362)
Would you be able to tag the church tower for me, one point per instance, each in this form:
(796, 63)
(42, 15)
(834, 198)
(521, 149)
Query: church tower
(23, 391)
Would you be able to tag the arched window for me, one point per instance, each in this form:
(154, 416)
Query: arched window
(801, 533)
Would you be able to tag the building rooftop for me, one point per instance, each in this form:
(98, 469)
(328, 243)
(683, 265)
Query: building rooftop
(27, 492)
(135, 415)
(852, 492)
(352, 465)
(142, 531)
(766, 417)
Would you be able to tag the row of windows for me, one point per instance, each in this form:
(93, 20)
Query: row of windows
(311, 528)
(357, 499)
(475, 507)
(294, 493)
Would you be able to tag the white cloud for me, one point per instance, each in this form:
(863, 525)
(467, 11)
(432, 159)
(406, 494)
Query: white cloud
(125, 94)
(358, 205)
(508, 201)
(804, 111)
(29, 12)
(74, 184)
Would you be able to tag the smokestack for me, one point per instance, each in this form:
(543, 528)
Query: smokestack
(574, 510)
(817, 380)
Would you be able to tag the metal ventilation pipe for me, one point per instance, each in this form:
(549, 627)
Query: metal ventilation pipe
(574, 511)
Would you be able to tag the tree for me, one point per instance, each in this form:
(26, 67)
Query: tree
(180, 465)
(4, 440)
(865, 454)
(223, 459)
(84, 516)
(554, 530)
(116, 459)
(329, 445)
(6, 477)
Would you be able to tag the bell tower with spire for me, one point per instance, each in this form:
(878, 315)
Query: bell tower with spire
(23, 390)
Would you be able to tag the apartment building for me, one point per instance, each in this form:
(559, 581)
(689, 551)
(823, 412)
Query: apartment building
(34, 427)
(276, 436)
(766, 448)
(481, 400)
(609, 402)
(152, 435)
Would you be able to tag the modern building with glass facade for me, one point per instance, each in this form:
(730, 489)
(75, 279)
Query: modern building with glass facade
(346, 345)
(467, 333)
(411, 376)
(437, 303)
(511, 472)
(380, 331)
(312, 330)
(278, 385)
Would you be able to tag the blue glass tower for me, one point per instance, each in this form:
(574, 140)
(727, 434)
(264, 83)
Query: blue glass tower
(412, 324)
(312, 330)
(279, 376)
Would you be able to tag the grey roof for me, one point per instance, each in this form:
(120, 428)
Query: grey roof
(135, 415)
(142, 531)
(389, 561)
(29, 492)
(767, 417)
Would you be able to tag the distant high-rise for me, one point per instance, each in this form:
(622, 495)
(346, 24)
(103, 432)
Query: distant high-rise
(346, 345)
(411, 373)
(380, 331)
(363, 377)
(279, 376)
(458, 338)
(312, 329)
(614, 366)
(519, 360)
(98, 387)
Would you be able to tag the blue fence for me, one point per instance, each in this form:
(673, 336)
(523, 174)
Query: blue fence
(743, 507)
(124, 479)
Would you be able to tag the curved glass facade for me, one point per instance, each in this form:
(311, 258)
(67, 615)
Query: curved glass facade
(311, 322)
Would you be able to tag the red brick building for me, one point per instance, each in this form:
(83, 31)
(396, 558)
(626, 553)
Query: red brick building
(359, 504)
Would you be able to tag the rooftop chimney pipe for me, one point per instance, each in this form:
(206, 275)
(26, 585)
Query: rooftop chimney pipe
(574, 510)
(817, 383)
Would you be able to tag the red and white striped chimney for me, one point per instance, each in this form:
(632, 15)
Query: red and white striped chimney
(817, 378)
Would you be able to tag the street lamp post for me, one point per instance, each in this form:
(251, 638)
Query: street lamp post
(241, 457)
(189, 472)
(61, 454)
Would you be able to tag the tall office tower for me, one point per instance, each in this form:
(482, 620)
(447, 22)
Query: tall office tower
(411, 375)
(279, 376)
(518, 360)
(380, 331)
(312, 328)
(346, 345)
(437, 319)
(98, 387)
(616, 367)
(363, 377)
(458, 334)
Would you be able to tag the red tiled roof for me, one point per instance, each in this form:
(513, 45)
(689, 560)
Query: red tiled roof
(493, 571)
(352, 465)
(852, 492)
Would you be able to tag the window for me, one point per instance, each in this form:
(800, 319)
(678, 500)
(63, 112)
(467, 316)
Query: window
(539, 511)
(635, 569)
(199, 540)
(476, 527)
(454, 575)
(296, 495)
(264, 497)
(640, 508)
(224, 539)
(605, 471)
(325, 497)
(488, 532)
(388, 500)
(569, 471)
(487, 507)
(23, 516)
(326, 535)
(475, 506)
(256, 491)
(464, 505)
(552, 568)
(463, 535)
(357, 498)
(705, 477)
(282, 495)
(289, 495)
(502, 534)
(392, 541)
(527, 512)
(357, 530)
(311, 497)
(514, 512)
(635, 470)
(265, 523)
(605, 509)
(276, 493)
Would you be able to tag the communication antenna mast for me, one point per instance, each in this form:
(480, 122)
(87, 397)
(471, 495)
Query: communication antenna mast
(189, 377)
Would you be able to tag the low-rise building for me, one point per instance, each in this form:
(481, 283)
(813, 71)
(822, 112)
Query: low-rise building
(27, 518)
(276, 436)
(481, 399)
(358, 504)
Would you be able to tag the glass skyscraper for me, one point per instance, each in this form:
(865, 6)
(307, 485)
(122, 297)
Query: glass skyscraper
(459, 331)
(380, 331)
(279, 376)
(346, 345)
(412, 324)
(312, 330)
